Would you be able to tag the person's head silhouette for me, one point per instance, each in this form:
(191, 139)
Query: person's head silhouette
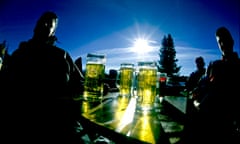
(225, 41)
(46, 27)
(200, 62)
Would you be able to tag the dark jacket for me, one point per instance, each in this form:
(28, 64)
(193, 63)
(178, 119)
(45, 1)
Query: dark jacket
(42, 81)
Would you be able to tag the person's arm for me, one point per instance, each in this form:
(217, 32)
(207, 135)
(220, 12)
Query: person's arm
(76, 78)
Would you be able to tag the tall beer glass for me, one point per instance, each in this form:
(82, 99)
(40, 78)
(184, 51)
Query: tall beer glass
(146, 86)
(126, 79)
(94, 77)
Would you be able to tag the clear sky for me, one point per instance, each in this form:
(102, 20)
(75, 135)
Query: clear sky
(111, 26)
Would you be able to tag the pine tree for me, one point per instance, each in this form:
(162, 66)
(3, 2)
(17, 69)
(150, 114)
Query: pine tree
(167, 53)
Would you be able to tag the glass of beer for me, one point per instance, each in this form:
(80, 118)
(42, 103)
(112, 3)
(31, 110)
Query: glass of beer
(126, 79)
(146, 85)
(94, 77)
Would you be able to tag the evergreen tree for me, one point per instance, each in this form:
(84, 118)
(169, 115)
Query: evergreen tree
(167, 53)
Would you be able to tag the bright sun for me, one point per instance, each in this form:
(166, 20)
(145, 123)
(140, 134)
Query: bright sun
(140, 45)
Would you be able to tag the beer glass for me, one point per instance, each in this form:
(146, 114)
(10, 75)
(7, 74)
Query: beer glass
(146, 85)
(94, 77)
(126, 79)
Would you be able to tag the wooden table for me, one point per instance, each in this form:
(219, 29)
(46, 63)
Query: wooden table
(116, 118)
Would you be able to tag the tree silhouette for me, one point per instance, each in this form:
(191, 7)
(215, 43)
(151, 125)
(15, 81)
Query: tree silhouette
(167, 53)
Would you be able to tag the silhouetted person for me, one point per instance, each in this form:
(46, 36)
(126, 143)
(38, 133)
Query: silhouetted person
(42, 82)
(195, 76)
(194, 82)
(217, 120)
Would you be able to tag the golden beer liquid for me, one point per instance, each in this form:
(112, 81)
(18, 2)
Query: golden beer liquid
(146, 88)
(93, 84)
(126, 79)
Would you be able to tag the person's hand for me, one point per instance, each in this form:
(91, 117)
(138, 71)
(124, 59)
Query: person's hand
(196, 104)
(195, 93)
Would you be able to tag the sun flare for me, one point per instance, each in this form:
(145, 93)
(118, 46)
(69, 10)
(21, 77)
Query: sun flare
(140, 45)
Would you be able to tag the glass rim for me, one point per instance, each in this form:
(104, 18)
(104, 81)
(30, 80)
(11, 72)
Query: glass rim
(127, 64)
(147, 63)
(96, 55)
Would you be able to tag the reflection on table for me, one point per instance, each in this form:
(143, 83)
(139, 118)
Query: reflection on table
(116, 118)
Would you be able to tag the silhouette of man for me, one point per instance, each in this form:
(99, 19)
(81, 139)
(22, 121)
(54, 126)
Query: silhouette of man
(195, 76)
(217, 120)
(43, 80)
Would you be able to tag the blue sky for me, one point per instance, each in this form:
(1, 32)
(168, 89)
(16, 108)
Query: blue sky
(111, 26)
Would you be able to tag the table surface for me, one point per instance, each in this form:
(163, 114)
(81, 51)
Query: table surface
(116, 117)
(179, 102)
